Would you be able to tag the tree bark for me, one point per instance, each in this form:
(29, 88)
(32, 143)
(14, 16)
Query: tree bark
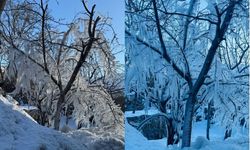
(2, 4)
(228, 133)
(171, 133)
(208, 119)
(220, 32)
(187, 127)
(43, 118)
(57, 116)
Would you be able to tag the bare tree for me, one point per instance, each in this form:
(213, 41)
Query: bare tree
(164, 19)
(53, 52)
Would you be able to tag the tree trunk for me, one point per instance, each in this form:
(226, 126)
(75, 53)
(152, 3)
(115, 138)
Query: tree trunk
(67, 120)
(171, 133)
(43, 118)
(208, 119)
(163, 106)
(2, 4)
(134, 103)
(57, 116)
(228, 133)
(187, 127)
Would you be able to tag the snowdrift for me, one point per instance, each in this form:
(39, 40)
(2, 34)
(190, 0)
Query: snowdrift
(202, 143)
(135, 140)
(18, 131)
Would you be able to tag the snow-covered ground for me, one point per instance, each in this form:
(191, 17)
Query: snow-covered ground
(27, 107)
(18, 131)
(136, 141)
(152, 111)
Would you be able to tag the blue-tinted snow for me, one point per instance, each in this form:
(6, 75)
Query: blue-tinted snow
(134, 140)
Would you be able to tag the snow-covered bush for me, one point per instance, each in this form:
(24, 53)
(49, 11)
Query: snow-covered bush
(94, 107)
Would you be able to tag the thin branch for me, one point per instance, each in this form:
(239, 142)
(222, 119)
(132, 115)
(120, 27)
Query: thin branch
(189, 16)
(163, 47)
(85, 51)
(242, 55)
(220, 32)
(44, 9)
(175, 67)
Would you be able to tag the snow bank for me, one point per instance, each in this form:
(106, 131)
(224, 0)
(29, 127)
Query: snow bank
(19, 131)
(202, 143)
(135, 140)
(97, 141)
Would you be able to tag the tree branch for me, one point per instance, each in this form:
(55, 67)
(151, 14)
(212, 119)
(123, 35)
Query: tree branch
(175, 67)
(220, 32)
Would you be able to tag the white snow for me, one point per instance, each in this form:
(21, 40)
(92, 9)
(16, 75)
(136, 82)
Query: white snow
(151, 111)
(71, 123)
(18, 131)
(202, 143)
(27, 107)
(136, 141)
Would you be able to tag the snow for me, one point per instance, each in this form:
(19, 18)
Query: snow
(19, 131)
(135, 140)
(151, 111)
(27, 107)
(204, 144)
(97, 138)
(71, 122)
(216, 132)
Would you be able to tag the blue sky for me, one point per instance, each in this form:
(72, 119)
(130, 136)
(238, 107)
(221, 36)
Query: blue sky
(114, 9)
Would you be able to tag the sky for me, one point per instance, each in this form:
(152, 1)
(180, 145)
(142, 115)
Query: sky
(114, 9)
